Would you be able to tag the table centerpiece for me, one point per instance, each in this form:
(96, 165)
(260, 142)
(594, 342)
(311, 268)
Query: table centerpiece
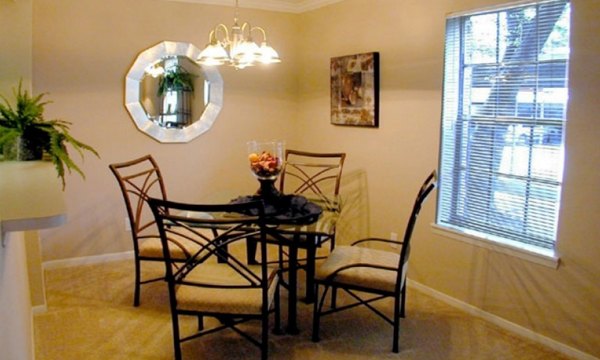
(266, 163)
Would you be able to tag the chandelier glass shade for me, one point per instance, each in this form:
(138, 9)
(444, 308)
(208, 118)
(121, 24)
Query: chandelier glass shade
(236, 47)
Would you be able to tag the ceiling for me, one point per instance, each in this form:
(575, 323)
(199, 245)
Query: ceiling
(291, 6)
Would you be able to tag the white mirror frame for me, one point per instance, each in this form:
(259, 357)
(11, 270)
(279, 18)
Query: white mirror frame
(134, 105)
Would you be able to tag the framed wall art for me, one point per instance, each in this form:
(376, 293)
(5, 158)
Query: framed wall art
(355, 90)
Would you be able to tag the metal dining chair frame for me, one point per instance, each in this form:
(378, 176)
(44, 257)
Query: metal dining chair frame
(228, 225)
(312, 185)
(138, 178)
(297, 164)
(334, 280)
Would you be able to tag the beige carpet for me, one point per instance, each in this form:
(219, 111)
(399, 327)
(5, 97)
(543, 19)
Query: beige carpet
(90, 316)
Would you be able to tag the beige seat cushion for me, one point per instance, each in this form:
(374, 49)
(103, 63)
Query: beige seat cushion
(362, 276)
(228, 301)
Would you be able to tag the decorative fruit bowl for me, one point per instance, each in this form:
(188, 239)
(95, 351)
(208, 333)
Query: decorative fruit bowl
(266, 162)
(265, 165)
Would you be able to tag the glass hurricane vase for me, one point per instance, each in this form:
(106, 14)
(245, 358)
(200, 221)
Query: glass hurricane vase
(266, 162)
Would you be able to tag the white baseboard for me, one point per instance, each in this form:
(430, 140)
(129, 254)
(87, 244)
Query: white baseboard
(87, 260)
(503, 323)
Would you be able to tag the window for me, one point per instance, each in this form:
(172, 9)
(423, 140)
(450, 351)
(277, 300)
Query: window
(504, 111)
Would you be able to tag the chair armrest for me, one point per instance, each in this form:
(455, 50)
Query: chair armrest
(381, 240)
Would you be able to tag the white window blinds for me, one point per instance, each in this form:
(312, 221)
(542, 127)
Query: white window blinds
(504, 109)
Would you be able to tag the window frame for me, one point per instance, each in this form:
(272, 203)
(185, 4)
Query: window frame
(537, 254)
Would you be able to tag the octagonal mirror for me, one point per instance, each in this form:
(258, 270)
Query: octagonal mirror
(169, 96)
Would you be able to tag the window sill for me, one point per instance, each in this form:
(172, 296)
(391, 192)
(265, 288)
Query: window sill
(522, 251)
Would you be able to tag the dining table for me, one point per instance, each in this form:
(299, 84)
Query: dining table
(292, 223)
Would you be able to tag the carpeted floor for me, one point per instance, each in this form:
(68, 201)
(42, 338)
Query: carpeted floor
(90, 316)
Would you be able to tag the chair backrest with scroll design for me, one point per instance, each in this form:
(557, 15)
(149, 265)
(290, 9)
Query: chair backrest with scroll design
(214, 282)
(140, 179)
(312, 174)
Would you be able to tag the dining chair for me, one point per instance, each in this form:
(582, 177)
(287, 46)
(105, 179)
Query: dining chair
(365, 272)
(316, 176)
(213, 282)
(138, 180)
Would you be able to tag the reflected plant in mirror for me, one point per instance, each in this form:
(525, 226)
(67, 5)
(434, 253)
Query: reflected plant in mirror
(173, 104)
(169, 96)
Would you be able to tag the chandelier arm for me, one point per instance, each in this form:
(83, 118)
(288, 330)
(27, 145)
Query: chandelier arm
(264, 33)
(212, 39)
(246, 26)
(225, 31)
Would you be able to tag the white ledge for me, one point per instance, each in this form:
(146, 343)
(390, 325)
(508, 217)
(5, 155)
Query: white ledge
(37, 223)
(30, 196)
(530, 253)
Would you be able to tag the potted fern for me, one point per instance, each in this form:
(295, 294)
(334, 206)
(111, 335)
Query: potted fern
(176, 78)
(26, 135)
(175, 88)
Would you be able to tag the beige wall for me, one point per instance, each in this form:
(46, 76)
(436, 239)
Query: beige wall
(83, 48)
(16, 331)
(561, 304)
(15, 42)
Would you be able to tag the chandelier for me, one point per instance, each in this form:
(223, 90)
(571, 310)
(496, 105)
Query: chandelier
(236, 47)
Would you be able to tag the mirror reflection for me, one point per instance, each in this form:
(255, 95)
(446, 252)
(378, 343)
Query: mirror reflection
(174, 92)
(169, 96)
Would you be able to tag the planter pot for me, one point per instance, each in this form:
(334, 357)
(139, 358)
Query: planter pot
(176, 110)
(22, 149)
